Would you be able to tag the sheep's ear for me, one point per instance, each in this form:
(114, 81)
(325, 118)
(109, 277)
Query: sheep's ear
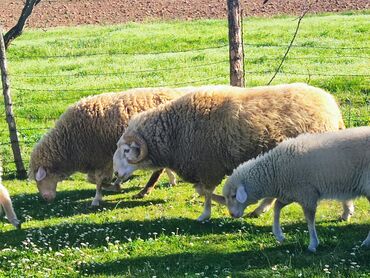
(241, 195)
(41, 174)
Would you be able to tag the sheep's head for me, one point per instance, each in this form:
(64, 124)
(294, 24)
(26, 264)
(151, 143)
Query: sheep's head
(46, 183)
(236, 198)
(131, 154)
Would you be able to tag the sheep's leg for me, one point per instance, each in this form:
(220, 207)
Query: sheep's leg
(98, 195)
(150, 184)
(265, 205)
(113, 187)
(171, 176)
(6, 203)
(309, 214)
(366, 242)
(276, 228)
(219, 199)
(207, 202)
(348, 210)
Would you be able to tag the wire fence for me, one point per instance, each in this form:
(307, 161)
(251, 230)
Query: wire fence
(32, 124)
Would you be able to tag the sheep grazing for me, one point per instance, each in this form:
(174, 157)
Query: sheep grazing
(84, 139)
(6, 203)
(208, 132)
(305, 169)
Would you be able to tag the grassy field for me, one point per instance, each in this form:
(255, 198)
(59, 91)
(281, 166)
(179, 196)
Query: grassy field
(157, 236)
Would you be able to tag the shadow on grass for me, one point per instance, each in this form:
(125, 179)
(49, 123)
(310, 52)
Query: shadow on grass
(73, 234)
(257, 262)
(73, 202)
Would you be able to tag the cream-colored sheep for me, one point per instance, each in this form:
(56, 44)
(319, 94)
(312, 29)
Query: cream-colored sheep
(6, 203)
(306, 169)
(84, 139)
(208, 132)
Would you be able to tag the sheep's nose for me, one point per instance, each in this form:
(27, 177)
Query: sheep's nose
(116, 173)
(48, 197)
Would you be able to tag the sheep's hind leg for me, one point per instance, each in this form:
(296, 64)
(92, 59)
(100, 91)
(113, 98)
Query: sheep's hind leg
(98, 196)
(366, 242)
(276, 228)
(150, 185)
(171, 176)
(265, 205)
(207, 202)
(348, 210)
(309, 214)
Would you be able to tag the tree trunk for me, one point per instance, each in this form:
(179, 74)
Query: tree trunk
(21, 172)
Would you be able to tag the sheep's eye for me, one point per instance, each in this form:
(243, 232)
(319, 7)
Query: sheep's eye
(233, 196)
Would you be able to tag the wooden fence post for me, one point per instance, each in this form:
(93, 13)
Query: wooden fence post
(236, 51)
(21, 172)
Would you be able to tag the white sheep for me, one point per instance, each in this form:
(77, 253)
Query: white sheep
(311, 167)
(6, 203)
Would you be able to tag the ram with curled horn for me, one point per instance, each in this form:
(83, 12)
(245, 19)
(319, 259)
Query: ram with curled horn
(206, 133)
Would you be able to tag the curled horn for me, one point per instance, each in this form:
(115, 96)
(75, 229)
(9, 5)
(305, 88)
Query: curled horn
(130, 138)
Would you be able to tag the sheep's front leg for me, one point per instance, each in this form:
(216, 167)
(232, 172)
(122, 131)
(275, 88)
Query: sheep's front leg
(171, 176)
(276, 228)
(265, 205)
(6, 203)
(309, 213)
(149, 185)
(98, 196)
(348, 210)
(207, 193)
(219, 199)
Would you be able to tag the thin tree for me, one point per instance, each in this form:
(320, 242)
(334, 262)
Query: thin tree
(17, 30)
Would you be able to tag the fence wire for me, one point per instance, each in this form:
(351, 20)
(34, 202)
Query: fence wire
(31, 125)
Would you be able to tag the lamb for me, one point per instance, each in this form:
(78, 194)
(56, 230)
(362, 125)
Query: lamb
(6, 203)
(205, 134)
(84, 139)
(305, 169)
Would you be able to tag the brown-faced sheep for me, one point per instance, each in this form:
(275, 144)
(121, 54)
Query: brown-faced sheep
(84, 139)
(305, 169)
(207, 133)
(6, 203)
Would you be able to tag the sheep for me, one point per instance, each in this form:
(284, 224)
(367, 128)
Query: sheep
(84, 139)
(304, 169)
(6, 203)
(205, 134)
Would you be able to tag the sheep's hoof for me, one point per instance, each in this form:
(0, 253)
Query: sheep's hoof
(253, 214)
(345, 217)
(280, 238)
(311, 249)
(365, 243)
(16, 223)
(140, 195)
(95, 203)
(203, 217)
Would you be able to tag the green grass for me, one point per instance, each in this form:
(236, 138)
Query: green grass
(157, 236)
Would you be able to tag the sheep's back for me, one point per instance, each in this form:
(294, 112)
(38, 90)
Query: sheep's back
(219, 128)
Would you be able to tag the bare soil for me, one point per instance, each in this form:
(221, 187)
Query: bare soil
(76, 12)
